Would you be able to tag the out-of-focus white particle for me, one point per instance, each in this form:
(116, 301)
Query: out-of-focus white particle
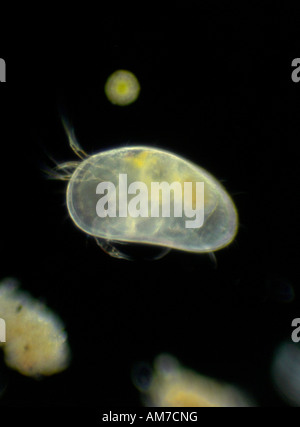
(36, 342)
(172, 385)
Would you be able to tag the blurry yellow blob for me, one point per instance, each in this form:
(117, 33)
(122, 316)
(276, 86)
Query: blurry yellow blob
(172, 385)
(122, 87)
(36, 343)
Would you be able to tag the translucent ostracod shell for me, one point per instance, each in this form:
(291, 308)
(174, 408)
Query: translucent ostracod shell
(149, 165)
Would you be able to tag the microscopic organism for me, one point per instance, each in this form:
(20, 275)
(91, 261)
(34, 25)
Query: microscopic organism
(285, 372)
(122, 88)
(172, 385)
(36, 342)
(149, 196)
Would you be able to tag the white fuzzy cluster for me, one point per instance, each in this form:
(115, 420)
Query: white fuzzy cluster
(35, 340)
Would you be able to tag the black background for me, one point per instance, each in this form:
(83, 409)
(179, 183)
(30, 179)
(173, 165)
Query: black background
(214, 89)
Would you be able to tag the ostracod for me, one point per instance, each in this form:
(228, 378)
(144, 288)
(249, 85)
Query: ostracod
(145, 195)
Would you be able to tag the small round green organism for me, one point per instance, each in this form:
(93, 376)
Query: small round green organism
(147, 196)
(122, 88)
